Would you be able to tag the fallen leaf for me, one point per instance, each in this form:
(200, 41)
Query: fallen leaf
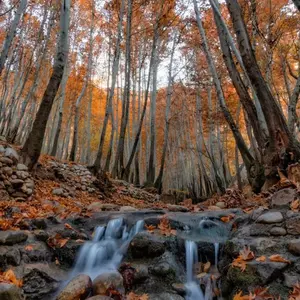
(10, 277)
(165, 227)
(239, 296)
(239, 263)
(278, 258)
(57, 261)
(29, 248)
(206, 267)
(150, 228)
(228, 218)
(246, 253)
(261, 259)
(295, 294)
(68, 226)
(295, 205)
(133, 296)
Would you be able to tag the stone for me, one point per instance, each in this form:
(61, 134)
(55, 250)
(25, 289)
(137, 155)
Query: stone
(278, 231)
(179, 288)
(177, 208)
(10, 292)
(162, 269)
(12, 237)
(2, 138)
(270, 218)
(41, 235)
(146, 245)
(13, 257)
(21, 167)
(12, 154)
(257, 212)
(283, 198)
(58, 192)
(290, 280)
(294, 247)
(7, 171)
(17, 183)
(2, 149)
(100, 206)
(221, 205)
(6, 161)
(78, 288)
(102, 282)
(268, 271)
(22, 174)
(165, 296)
(293, 225)
(127, 208)
(38, 252)
(39, 223)
(141, 272)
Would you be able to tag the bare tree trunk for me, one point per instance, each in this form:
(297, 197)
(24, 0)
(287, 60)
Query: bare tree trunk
(11, 33)
(158, 182)
(82, 93)
(108, 111)
(280, 136)
(256, 177)
(297, 3)
(119, 159)
(33, 145)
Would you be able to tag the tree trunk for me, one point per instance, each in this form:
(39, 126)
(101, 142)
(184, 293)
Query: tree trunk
(297, 3)
(33, 145)
(254, 171)
(11, 33)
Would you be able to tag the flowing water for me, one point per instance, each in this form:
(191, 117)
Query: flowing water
(106, 250)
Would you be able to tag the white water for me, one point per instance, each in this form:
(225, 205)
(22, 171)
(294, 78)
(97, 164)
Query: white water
(106, 251)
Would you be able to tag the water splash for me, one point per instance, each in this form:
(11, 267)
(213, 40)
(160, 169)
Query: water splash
(105, 252)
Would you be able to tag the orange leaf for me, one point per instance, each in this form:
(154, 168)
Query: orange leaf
(150, 228)
(240, 297)
(206, 267)
(295, 205)
(278, 258)
(133, 296)
(29, 248)
(295, 294)
(68, 226)
(246, 253)
(261, 259)
(239, 263)
(227, 219)
(10, 277)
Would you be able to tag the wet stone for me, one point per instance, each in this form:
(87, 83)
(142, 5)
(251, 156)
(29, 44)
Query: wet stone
(13, 257)
(102, 282)
(270, 218)
(10, 292)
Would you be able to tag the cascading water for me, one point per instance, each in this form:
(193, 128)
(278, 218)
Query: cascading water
(105, 252)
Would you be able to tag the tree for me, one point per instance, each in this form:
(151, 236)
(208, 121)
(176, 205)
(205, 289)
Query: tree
(33, 145)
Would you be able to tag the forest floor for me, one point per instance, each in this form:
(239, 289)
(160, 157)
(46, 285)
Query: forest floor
(68, 202)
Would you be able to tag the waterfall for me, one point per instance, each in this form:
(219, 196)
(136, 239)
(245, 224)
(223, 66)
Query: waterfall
(105, 252)
(216, 253)
(192, 287)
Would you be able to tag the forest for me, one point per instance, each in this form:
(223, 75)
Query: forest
(150, 149)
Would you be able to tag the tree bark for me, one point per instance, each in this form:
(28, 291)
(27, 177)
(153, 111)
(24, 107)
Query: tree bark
(33, 145)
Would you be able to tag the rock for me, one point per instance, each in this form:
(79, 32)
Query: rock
(2, 149)
(102, 282)
(141, 272)
(12, 154)
(164, 296)
(10, 292)
(294, 247)
(257, 212)
(127, 208)
(39, 223)
(7, 171)
(58, 192)
(179, 288)
(78, 288)
(21, 167)
(283, 198)
(270, 218)
(278, 231)
(2, 138)
(38, 284)
(99, 206)
(290, 280)
(22, 174)
(221, 205)
(162, 269)
(12, 237)
(13, 257)
(177, 208)
(37, 252)
(146, 245)
(17, 183)
(268, 271)
(6, 161)
(293, 225)
(41, 235)
(260, 229)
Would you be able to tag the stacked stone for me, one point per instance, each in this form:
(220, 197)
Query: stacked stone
(15, 180)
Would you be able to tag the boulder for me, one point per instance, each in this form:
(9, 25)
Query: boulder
(6, 161)
(141, 272)
(270, 218)
(162, 269)
(290, 279)
(179, 288)
(10, 292)
(146, 245)
(37, 252)
(107, 280)
(283, 198)
(21, 167)
(13, 256)
(38, 284)
(12, 237)
(294, 247)
(221, 205)
(79, 287)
